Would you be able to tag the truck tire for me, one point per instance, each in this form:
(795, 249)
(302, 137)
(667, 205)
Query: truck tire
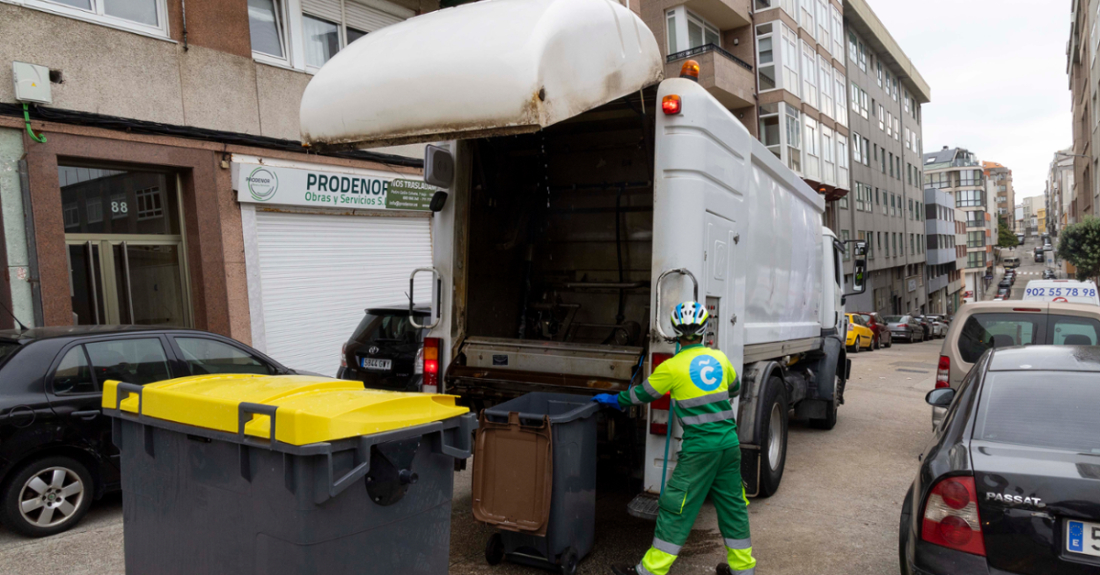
(829, 421)
(773, 445)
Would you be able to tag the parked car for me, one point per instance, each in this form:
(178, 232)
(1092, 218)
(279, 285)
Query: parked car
(386, 350)
(1039, 255)
(1005, 283)
(980, 326)
(1003, 292)
(56, 454)
(879, 327)
(939, 327)
(1010, 482)
(904, 327)
(925, 325)
(1049, 274)
(859, 335)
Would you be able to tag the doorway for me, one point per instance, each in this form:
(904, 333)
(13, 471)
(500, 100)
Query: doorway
(125, 246)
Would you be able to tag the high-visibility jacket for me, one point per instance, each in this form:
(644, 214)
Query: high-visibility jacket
(701, 381)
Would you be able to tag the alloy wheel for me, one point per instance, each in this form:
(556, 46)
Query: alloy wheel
(51, 496)
(775, 437)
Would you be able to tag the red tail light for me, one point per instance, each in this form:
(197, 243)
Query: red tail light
(951, 516)
(344, 355)
(431, 365)
(671, 104)
(658, 410)
(943, 376)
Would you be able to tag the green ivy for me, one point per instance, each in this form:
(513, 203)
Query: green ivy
(1080, 246)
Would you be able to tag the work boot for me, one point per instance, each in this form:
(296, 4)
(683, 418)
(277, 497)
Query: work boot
(624, 569)
(723, 569)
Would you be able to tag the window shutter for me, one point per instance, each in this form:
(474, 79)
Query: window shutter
(325, 9)
(367, 18)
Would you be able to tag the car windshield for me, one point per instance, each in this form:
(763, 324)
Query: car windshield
(893, 319)
(985, 330)
(1041, 409)
(393, 327)
(866, 318)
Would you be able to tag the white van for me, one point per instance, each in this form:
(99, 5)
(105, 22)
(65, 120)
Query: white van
(1071, 291)
(1012, 262)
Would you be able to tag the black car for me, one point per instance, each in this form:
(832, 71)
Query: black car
(1005, 284)
(56, 454)
(1012, 482)
(386, 350)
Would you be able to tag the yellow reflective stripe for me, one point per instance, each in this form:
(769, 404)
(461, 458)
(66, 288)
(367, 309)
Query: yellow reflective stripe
(741, 560)
(656, 562)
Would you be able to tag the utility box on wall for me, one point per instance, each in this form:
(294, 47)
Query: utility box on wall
(32, 83)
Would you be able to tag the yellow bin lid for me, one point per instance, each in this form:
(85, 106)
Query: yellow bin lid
(310, 409)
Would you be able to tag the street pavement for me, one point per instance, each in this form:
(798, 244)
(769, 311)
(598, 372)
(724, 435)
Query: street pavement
(1029, 270)
(836, 511)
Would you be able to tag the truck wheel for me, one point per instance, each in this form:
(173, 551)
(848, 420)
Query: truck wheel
(773, 448)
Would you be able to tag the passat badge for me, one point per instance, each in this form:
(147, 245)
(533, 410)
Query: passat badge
(1013, 499)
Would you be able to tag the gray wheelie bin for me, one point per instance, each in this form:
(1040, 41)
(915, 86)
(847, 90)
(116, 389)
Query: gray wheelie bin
(535, 479)
(272, 475)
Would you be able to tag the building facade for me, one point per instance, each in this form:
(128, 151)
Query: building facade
(1083, 68)
(886, 206)
(999, 178)
(958, 172)
(943, 278)
(1059, 187)
(168, 138)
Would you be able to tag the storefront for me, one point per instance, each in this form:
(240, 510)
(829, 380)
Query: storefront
(322, 244)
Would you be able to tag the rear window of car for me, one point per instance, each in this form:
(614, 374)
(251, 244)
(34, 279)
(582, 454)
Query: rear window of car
(1071, 330)
(387, 328)
(983, 331)
(1041, 409)
(893, 319)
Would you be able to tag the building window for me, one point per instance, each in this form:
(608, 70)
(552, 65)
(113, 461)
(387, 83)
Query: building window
(765, 57)
(878, 74)
(812, 165)
(687, 31)
(841, 102)
(807, 20)
(975, 259)
(862, 57)
(897, 129)
(769, 129)
(823, 24)
(863, 103)
(893, 206)
(856, 148)
(841, 160)
(673, 44)
(838, 35)
(866, 152)
(790, 60)
(853, 50)
(855, 98)
(907, 139)
(889, 124)
(912, 245)
(321, 39)
(975, 219)
(148, 16)
(880, 113)
(794, 139)
(94, 206)
(267, 27)
(968, 199)
(910, 208)
(828, 164)
(809, 75)
(71, 213)
(891, 164)
(860, 206)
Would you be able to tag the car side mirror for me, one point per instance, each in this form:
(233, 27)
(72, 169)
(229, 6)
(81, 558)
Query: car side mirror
(940, 397)
(859, 270)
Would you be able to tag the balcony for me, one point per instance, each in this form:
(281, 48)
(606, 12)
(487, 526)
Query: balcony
(728, 78)
(941, 256)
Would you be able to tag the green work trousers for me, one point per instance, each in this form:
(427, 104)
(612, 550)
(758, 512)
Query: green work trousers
(717, 473)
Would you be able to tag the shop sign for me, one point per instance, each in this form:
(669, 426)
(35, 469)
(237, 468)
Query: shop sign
(277, 185)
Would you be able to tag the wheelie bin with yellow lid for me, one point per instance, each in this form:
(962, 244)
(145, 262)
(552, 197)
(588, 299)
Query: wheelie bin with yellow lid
(285, 474)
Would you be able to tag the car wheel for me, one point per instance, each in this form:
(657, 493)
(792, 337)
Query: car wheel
(903, 531)
(773, 448)
(889, 340)
(494, 549)
(875, 344)
(46, 496)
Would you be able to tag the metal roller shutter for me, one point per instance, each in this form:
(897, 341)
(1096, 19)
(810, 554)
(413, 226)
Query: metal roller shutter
(319, 272)
(366, 18)
(326, 9)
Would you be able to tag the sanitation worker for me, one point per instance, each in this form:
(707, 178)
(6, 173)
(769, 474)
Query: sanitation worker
(701, 381)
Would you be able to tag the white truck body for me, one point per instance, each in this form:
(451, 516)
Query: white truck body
(580, 214)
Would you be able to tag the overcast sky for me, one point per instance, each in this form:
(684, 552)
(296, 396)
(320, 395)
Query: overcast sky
(997, 70)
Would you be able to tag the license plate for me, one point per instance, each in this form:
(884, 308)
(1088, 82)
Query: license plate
(377, 364)
(1083, 537)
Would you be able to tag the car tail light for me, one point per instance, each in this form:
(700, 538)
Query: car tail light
(943, 376)
(658, 410)
(951, 516)
(671, 105)
(430, 353)
(344, 355)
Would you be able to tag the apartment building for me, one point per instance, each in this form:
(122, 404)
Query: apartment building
(958, 172)
(1059, 187)
(943, 277)
(1003, 194)
(168, 187)
(886, 208)
(1083, 68)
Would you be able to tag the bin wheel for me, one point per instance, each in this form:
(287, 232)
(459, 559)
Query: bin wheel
(569, 562)
(494, 550)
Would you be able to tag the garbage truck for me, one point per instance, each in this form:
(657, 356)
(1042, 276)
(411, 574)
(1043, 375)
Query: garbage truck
(581, 196)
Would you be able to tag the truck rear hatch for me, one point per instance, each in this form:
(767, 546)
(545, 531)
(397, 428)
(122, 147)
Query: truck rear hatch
(477, 70)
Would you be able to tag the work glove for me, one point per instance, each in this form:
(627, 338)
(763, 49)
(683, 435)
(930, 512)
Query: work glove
(608, 400)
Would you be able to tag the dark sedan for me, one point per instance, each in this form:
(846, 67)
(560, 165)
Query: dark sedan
(1012, 482)
(905, 327)
(56, 454)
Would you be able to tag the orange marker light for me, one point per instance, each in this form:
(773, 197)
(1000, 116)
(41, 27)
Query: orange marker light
(671, 104)
(690, 69)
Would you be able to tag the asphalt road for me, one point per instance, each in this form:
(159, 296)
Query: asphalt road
(1029, 269)
(835, 513)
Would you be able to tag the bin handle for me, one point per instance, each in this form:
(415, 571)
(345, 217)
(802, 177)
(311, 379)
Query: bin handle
(128, 388)
(245, 413)
(657, 309)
